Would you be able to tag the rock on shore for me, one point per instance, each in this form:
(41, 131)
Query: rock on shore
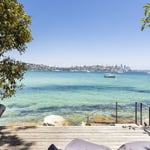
(55, 120)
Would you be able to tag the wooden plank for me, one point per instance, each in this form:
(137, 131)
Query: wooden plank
(39, 138)
(68, 129)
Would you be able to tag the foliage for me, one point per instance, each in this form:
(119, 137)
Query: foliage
(146, 20)
(14, 34)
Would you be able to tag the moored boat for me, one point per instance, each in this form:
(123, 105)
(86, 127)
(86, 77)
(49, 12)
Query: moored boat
(109, 75)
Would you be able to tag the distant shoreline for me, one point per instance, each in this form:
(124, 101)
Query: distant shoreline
(101, 68)
(85, 68)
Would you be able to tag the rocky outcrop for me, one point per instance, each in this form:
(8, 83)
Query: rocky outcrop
(55, 120)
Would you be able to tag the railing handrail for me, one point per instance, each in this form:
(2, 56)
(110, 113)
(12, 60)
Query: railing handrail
(138, 113)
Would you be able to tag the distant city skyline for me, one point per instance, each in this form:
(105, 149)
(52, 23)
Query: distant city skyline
(87, 32)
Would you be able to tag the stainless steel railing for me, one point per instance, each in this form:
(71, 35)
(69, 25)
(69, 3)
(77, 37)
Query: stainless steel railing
(138, 113)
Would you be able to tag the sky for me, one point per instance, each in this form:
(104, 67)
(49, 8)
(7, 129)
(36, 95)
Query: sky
(87, 32)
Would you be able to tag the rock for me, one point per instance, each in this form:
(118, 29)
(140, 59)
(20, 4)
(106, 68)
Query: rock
(83, 123)
(55, 120)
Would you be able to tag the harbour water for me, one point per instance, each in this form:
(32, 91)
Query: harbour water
(73, 95)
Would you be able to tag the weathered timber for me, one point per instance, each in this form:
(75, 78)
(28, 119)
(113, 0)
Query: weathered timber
(40, 138)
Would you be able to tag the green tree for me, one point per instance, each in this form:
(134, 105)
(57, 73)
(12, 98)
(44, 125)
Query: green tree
(14, 35)
(146, 20)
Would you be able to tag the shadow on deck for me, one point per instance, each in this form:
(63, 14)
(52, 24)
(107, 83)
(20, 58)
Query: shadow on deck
(41, 137)
(9, 140)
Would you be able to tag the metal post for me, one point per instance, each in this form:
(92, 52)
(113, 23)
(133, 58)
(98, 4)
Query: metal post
(116, 112)
(149, 116)
(140, 113)
(88, 120)
(135, 112)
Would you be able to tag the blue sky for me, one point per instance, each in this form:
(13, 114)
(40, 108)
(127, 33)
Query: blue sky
(87, 32)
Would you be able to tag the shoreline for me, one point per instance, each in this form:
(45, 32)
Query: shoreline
(99, 120)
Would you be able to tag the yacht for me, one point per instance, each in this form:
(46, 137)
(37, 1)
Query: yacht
(109, 75)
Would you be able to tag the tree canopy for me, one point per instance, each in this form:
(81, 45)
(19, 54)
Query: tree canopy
(146, 20)
(14, 35)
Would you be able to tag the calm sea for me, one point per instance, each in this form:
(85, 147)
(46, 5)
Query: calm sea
(73, 95)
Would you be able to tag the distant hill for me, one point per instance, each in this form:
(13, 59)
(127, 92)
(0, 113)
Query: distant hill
(37, 67)
(121, 68)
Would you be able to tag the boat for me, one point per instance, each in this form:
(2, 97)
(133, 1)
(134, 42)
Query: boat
(109, 75)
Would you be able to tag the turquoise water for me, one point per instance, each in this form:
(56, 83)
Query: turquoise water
(73, 95)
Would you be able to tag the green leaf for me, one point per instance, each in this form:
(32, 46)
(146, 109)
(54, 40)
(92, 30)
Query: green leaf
(14, 35)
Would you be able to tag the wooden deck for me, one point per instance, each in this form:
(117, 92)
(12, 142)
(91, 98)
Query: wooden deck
(39, 138)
